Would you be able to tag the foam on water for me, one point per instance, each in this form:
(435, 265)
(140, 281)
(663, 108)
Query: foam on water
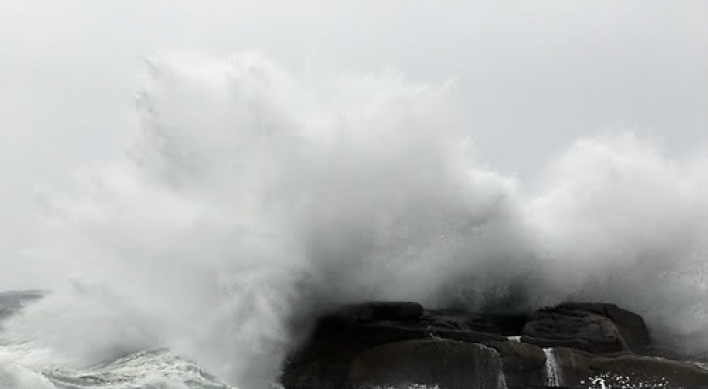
(158, 369)
(248, 199)
(146, 369)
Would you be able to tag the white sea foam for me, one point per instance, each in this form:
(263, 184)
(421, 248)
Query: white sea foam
(249, 198)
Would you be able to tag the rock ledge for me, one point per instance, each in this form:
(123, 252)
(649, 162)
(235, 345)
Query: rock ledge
(400, 344)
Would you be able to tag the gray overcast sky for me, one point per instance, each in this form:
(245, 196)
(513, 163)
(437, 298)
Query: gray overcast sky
(533, 75)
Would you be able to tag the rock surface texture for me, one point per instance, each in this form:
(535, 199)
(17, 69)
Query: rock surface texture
(392, 345)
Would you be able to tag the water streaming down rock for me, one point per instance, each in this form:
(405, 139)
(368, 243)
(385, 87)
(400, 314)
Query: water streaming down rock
(553, 373)
(496, 366)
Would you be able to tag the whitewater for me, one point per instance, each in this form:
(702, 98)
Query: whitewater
(249, 198)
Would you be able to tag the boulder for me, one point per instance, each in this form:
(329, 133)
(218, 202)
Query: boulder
(568, 327)
(523, 363)
(432, 363)
(357, 314)
(458, 319)
(341, 334)
(399, 344)
(323, 373)
(631, 326)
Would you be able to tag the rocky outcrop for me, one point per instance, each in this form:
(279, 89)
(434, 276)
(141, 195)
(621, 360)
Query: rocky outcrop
(631, 326)
(401, 344)
(443, 363)
(592, 327)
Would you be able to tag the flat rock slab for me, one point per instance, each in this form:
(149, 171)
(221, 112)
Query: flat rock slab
(432, 363)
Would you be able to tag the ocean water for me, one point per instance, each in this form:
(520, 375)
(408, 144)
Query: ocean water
(249, 198)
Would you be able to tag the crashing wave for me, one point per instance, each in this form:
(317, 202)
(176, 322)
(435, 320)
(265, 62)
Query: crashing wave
(250, 199)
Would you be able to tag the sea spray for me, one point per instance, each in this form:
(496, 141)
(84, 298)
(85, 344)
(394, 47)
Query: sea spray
(553, 371)
(13, 376)
(250, 200)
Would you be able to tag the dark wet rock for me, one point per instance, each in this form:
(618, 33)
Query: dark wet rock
(581, 369)
(340, 335)
(325, 372)
(524, 364)
(635, 370)
(398, 344)
(443, 363)
(457, 319)
(357, 314)
(631, 326)
(567, 326)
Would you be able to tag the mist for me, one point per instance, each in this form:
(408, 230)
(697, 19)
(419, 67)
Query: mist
(248, 198)
(175, 188)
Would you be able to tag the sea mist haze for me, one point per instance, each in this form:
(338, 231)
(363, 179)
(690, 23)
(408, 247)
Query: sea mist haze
(247, 196)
